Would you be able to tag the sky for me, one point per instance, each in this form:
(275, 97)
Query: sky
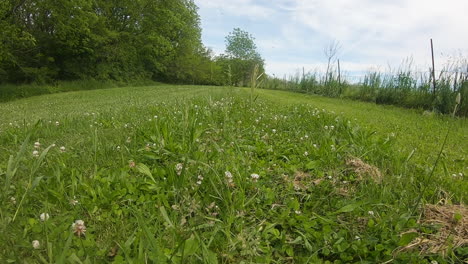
(373, 34)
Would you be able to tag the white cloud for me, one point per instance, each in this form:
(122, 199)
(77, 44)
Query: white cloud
(379, 33)
(246, 8)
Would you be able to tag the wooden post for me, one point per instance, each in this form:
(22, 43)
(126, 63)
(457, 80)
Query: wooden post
(433, 72)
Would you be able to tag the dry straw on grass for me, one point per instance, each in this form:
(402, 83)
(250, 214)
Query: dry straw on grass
(364, 170)
(451, 222)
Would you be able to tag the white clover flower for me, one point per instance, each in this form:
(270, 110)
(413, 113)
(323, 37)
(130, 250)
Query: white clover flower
(179, 167)
(332, 127)
(357, 237)
(79, 227)
(306, 153)
(371, 213)
(13, 200)
(74, 201)
(35, 153)
(315, 145)
(228, 174)
(298, 212)
(62, 149)
(273, 130)
(118, 147)
(326, 127)
(44, 217)
(200, 180)
(37, 145)
(254, 176)
(306, 136)
(57, 123)
(36, 244)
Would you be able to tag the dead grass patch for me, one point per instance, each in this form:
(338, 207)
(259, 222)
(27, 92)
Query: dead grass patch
(302, 180)
(364, 170)
(451, 222)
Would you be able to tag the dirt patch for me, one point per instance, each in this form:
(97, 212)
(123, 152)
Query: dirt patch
(451, 225)
(364, 170)
(302, 180)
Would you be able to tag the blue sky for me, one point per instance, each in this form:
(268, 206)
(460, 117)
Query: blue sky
(373, 34)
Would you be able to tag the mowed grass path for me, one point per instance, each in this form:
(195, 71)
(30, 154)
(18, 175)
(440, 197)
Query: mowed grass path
(196, 174)
(417, 135)
(414, 131)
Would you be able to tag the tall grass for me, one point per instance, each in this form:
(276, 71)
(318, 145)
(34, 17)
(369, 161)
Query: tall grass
(405, 87)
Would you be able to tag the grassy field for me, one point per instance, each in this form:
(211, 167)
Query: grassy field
(192, 174)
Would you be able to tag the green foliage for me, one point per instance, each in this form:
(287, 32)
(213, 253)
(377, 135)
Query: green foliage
(46, 41)
(241, 57)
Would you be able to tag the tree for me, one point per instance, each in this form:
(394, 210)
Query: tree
(242, 56)
(49, 40)
(330, 52)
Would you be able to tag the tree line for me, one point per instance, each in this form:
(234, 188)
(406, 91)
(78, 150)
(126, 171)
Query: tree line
(44, 41)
